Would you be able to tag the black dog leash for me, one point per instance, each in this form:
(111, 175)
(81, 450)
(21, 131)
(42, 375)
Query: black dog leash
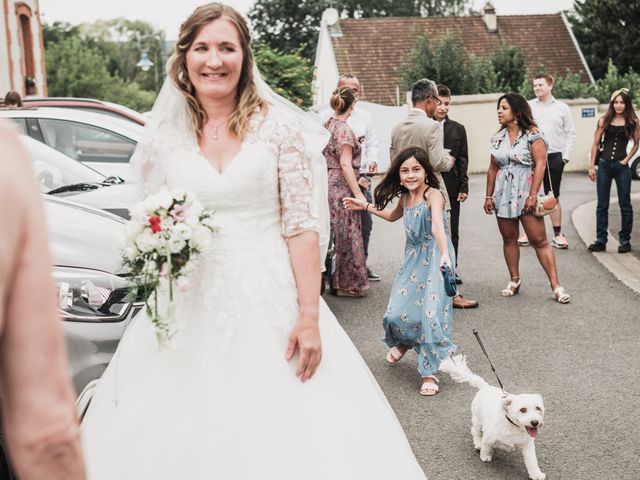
(475, 332)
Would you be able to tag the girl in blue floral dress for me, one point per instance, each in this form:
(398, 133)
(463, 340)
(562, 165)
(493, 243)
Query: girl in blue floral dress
(419, 311)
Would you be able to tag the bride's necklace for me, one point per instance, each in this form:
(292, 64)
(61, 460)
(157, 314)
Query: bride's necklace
(216, 128)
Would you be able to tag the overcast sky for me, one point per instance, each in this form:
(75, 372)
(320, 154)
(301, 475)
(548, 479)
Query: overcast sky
(168, 15)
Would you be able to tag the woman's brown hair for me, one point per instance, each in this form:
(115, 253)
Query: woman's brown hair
(520, 109)
(247, 98)
(341, 99)
(629, 114)
(13, 98)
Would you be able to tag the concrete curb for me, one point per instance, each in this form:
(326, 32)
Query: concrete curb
(625, 268)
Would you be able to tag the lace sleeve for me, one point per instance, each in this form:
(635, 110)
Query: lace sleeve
(147, 169)
(295, 178)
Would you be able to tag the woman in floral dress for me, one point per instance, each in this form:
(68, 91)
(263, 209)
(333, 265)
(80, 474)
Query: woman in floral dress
(343, 162)
(514, 177)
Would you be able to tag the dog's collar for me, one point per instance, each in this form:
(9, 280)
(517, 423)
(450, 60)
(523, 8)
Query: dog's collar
(511, 421)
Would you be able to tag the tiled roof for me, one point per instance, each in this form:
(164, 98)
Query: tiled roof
(374, 49)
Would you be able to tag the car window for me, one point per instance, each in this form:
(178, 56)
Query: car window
(21, 124)
(86, 143)
(54, 170)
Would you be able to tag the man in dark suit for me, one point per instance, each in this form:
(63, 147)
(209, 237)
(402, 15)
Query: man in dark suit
(456, 179)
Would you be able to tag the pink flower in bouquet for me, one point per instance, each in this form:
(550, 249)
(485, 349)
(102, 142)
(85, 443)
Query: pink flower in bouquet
(178, 213)
(155, 224)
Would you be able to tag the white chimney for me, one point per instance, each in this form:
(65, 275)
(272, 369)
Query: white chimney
(489, 17)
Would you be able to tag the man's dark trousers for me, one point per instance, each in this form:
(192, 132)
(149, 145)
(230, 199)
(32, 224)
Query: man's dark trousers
(456, 179)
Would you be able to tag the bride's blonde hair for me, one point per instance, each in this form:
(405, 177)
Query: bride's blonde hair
(247, 98)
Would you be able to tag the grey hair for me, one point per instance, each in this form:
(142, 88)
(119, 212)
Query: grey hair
(348, 76)
(423, 89)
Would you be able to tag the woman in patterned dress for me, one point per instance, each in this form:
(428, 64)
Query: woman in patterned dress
(516, 170)
(343, 163)
(419, 311)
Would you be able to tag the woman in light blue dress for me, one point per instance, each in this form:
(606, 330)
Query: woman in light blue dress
(419, 312)
(514, 177)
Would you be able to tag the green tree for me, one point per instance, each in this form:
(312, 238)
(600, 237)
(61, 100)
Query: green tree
(129, 94)
(482, 76)
(509, 64)
(608, 29)
(450, 62)
(420, 63)
(614, 80)
(292, 25)
(122, 42)
(450, 65)
(57, 32)
(75, 69)
(570, 85)
(290, 74)
(288, 25)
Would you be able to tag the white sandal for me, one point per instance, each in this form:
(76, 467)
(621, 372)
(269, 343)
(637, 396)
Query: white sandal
(428, 389)
(561, 295)
(512, 288)
(394, 355)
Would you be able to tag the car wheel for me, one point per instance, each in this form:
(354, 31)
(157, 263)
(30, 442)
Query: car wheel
(5, 470)
(635, 169)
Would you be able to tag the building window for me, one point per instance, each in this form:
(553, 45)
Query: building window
(26, 44)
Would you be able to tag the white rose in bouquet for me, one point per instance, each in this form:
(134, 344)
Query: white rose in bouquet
(147, 241)
(181, 231)
(201, 238)
(176, 245)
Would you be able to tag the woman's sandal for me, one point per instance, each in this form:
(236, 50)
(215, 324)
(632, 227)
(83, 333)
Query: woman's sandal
(561, 295)
(429, 389)
(512, 288)
(394, 355)
(347, 293)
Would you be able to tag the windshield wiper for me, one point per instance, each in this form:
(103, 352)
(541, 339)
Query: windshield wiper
(75, 187)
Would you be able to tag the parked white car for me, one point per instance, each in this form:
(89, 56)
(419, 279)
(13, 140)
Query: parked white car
(101, 142)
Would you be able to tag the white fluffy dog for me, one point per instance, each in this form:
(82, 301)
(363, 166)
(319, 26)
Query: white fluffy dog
(500, 420)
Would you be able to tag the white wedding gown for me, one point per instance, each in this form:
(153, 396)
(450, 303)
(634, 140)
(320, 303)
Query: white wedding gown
(224, 403)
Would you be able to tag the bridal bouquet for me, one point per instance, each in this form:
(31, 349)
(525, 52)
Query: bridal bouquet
(166, 234)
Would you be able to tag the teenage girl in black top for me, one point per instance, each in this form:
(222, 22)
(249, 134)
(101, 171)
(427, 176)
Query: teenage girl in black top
(609, 151)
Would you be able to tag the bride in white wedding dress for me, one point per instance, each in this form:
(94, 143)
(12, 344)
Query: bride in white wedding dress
(249, 391)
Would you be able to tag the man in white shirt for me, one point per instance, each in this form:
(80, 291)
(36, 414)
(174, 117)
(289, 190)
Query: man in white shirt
(554, 120)
(361, 122)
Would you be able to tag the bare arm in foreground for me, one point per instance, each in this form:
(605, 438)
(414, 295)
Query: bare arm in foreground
(38, 400)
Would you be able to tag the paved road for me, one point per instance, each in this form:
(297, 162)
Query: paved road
(583, 357)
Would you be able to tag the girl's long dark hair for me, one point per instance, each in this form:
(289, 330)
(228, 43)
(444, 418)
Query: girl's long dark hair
(520, 109)
(629, 114)
(390, 188)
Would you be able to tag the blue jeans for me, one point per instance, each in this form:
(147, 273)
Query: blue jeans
(607, 172)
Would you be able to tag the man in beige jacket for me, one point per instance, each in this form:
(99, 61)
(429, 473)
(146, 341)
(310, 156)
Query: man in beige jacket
(38, 408)
(420, 130)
